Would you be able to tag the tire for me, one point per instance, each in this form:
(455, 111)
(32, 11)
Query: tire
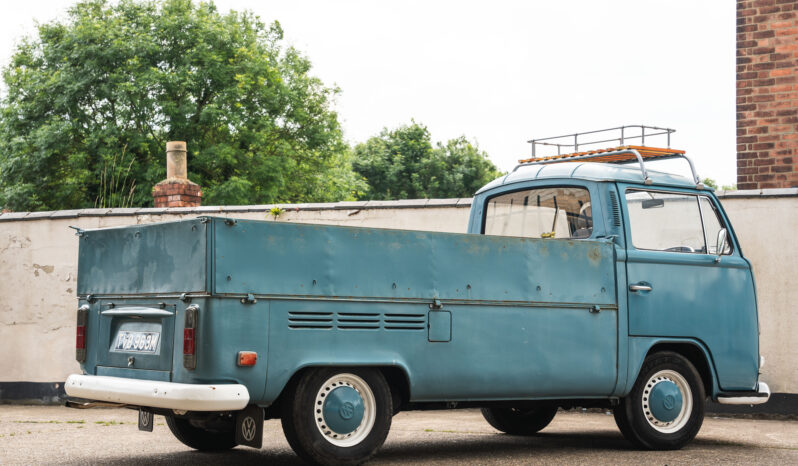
(622, 423)
(337, 416)
(520, 421)
(665, 409)
(198, 438)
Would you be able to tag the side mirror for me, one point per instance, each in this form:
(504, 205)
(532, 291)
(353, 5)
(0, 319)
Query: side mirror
(721, 244)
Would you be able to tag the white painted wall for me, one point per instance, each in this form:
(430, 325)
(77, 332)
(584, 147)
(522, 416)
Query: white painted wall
(767, 229)
(38, 268)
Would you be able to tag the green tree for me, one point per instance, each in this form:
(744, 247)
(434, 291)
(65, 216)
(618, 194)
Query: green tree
(96, 96)
(403, 164)
(710, 182)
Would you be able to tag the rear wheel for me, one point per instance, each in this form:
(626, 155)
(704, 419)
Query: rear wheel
(199, 438)
(665, 408)
(520, 421)
(338, 416)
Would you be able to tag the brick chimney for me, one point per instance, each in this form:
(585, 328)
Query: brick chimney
(176, 190)
(767, 94)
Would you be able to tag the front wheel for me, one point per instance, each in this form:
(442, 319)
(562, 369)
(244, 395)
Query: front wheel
(665, 408)
(337, 416)
(199, 438)
(520, 421)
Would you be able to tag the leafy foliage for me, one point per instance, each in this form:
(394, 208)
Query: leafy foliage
(403, 164)
(714, 185)
(135, 74)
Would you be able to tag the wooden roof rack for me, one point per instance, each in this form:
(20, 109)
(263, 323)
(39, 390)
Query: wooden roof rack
(618, 155)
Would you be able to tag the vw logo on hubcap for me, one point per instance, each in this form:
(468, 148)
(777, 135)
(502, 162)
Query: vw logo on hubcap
(347, 410)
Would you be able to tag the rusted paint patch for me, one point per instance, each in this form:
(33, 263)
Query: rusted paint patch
(594, 255)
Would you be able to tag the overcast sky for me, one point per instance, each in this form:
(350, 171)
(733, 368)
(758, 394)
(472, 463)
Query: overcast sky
(504, 72)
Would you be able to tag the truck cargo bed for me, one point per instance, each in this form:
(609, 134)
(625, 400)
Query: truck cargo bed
(225, 257)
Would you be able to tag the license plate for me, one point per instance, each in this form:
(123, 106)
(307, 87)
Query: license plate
(137, 342)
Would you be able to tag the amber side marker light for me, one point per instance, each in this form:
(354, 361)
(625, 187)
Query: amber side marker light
(247, 358)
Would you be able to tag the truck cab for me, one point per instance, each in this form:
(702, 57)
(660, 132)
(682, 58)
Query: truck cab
(584, 279)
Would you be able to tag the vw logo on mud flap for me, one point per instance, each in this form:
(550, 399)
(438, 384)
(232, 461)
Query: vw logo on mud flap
(248, 429)
(347, 410)
(145, 418)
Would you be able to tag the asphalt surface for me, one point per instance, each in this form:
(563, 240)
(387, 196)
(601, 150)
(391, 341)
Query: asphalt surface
(48, 435)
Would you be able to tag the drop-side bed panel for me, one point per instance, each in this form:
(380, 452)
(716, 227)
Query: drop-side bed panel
(296, 260)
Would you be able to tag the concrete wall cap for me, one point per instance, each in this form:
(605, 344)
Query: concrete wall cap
(152, 211)
(442, 202)
(343, 205)
(66, 213)
(777, 192)
(350, 204)
(122, 211)
(13, 215)
(178, 210)
(35, 215)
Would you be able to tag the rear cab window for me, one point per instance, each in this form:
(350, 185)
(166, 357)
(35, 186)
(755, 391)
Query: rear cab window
(673, 222)
(548, 212)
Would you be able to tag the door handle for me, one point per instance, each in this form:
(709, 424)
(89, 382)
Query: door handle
(639, 287)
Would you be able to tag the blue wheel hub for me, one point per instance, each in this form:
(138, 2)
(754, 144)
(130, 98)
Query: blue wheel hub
(343, 410)
(665, 401)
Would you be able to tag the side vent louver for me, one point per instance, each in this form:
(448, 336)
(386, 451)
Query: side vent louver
(615, 209)
(318, 320)
(352, 321)
(405, 322)
(299, 320)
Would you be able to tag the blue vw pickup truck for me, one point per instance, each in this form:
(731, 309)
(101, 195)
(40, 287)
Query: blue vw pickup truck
(583, 280)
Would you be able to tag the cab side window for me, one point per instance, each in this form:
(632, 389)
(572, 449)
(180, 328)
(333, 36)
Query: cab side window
(555, 212)
(665, 222)
(712, 225)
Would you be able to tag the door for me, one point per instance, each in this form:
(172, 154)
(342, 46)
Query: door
(677, 288)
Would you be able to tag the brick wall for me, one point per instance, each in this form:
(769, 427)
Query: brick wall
(767, 94)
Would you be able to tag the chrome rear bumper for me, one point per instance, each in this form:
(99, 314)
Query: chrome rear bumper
(154, 394)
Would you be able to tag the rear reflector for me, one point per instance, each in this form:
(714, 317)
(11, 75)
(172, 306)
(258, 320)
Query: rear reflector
(80, 334)
(247, 358)
(188, 341)
(80, 342)
(190, 337)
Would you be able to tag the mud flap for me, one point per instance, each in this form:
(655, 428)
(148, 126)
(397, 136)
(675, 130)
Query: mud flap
(146, 419)
(249, 426)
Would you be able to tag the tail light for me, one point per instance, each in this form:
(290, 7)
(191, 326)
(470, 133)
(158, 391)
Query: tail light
(80, 333)
(189, 337)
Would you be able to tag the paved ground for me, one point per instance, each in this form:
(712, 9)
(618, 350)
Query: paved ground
(35, 435)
